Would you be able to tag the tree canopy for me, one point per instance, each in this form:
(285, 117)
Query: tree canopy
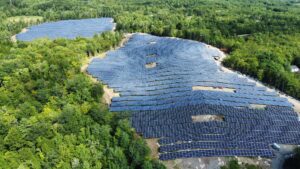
(51, 113)
(50, 116)
(261, 37)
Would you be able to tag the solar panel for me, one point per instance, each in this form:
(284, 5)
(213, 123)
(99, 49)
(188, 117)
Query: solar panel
(162, 100)
(69, 29)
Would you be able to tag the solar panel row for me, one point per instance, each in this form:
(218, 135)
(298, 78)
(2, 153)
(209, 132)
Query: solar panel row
(163, 100)
(170, 83)
(69, 29)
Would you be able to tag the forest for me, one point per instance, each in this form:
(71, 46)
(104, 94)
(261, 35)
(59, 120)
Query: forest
(260, 37)
(50, 116)
(50, 111)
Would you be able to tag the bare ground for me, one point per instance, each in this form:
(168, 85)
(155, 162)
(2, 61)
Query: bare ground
(217, 162)
(14, 38)
(206, 118)
(214, 162)
(108, 92)
(153, 145)
(194, 163)
(150, 65)
(295, 102)
(222, 89)
(257, 106)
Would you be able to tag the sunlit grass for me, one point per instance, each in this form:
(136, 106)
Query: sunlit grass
(26, 19)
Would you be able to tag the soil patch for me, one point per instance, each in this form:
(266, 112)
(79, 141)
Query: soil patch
(108, 92)
(219, 89)
(153, 145)
(258, 106)
(206, 118)
(150, 65)
(14, 38)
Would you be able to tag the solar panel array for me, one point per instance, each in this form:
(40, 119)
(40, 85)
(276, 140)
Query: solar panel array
(243, 130)
(69, 29)
(163, 101)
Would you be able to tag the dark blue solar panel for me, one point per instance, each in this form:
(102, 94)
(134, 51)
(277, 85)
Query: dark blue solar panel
(216, 153)
(69, 29)
(162, 100)
(181, 65)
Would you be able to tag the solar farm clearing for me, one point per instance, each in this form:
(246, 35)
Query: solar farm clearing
(69, 29)
(171, 84)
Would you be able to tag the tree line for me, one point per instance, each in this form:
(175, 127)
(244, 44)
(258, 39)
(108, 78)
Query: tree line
(260, 37)
(52, 115)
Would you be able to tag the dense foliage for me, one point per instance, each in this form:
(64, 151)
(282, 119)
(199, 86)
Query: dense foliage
(50, 111)
(260, 36)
